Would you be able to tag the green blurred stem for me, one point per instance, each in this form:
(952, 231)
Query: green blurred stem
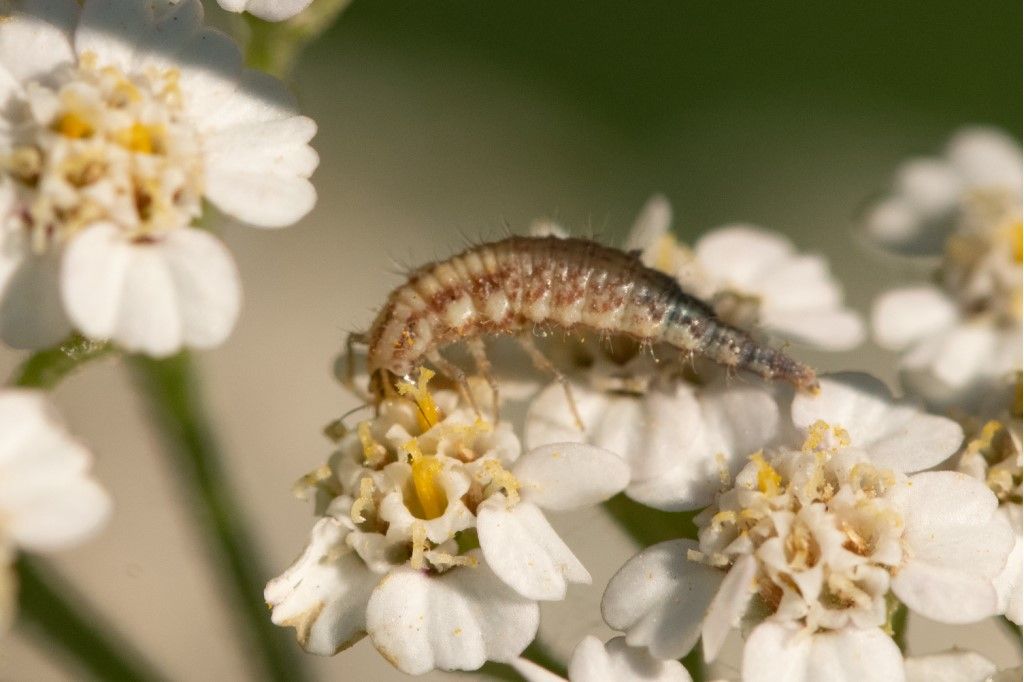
(899, 619)
(46, 368)
(171, 390)
(274, 47)
(50, 610)
(694, 663)
(1013, 628)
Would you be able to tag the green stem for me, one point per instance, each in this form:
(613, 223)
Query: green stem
(48, 608)
(899, 617)
(46, 368)
(275, 46)
(694, 663)
(1013, 629)
(171, 390)
(650, 526)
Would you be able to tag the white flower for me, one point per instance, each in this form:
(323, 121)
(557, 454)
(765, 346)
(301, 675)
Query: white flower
(675, 436)
(930, 196)
(403, 501)
(961, 336)
(121, 117)
(949, 666)
(48, 499)
(754, 279)
(614, 661)
(269, 10)
(815, 531)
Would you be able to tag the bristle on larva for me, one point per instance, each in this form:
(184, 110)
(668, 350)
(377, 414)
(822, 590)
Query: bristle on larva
(516, 284)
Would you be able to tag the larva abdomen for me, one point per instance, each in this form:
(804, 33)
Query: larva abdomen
(515, 284)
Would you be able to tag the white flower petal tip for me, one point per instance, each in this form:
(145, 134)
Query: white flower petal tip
(895, 434)
(47, 497)
(154, 297)
(949, 666)
(454, 621)
(774, 651)
(957, 545)
(268, 10)
(563, 476)
(902, 316)
(659, 598)
(525, 552)
(613, 661)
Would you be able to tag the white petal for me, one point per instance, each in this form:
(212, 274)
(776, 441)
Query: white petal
(729, 605)
(524, 550)
(653, 223)
(737, 255)
(894, 221)
(454, 621)
(37, 39)
(659, 598)
(109, 30)
(152, 297)
(956, 546)
(774, 652)
(833, 330)
(269, 10)
(986, 157)
(323, 595)
(896, 436)
(258, 171)
(616, 661)
(932, 187)
(902, 316)
(532, 672)
(564, 476)
(1008, 583)
(549, 418)
(949, 666)
(47, 499)
(31, 312)
(731, 421)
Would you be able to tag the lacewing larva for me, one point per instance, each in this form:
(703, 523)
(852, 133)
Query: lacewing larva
(517, 284)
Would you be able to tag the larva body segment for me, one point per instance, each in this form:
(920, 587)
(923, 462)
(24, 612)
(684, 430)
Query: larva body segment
(518, 283)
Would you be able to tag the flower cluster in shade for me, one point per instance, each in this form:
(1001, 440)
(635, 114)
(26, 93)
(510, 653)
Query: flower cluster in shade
(432, 537)
(48, 498)
(120, 119)
(959, 332)
(805, 545)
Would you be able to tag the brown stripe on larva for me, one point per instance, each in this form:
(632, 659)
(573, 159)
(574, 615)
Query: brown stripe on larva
(518, 283)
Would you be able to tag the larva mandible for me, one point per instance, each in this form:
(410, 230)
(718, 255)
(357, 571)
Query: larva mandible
(515, 284)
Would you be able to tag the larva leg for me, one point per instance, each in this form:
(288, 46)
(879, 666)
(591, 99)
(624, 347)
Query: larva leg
(455, 373)
(479, 352)
(354, 339)
(544, 365)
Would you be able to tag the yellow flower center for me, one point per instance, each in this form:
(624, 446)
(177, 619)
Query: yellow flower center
(429, 414)
(427, 498)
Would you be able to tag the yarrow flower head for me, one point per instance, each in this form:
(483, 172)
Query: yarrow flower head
(810, 538)
(432, 539)
(960, 335)
(48, 498)
(121, 118)
(753, 278)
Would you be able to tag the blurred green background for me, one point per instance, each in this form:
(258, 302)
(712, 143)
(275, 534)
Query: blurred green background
(439, 119)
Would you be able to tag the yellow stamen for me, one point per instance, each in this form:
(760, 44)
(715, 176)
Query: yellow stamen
(374, 453)
(74, 126)
(769, 481)
(429, 495)
(364, 502)
(419, 546)
(501, 479)
(140, 138)
(428, 415)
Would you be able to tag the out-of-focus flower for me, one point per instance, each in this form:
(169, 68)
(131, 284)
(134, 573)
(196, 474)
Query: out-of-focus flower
(949, 666)
(269, 10)
(978, 178)
(122, 117)
(813, 533)
(961, 336)
(48, 498)
(753, 278)
(405, 502)
(613, 661)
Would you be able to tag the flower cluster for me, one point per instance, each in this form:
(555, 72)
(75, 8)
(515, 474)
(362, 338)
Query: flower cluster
(121, 119)
(960, 335)
(432, 539)
(812, 536)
